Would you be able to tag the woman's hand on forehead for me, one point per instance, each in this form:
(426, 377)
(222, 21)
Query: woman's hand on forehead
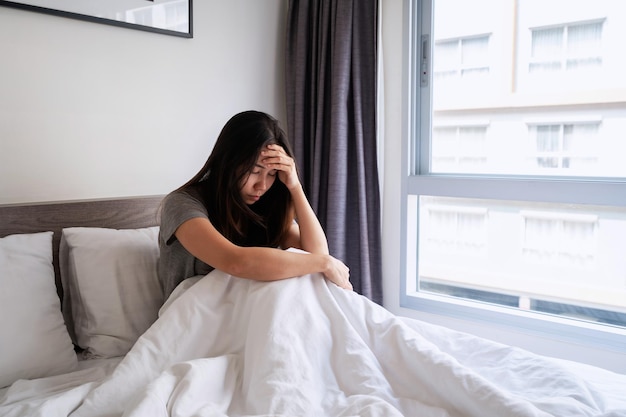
(275, 157)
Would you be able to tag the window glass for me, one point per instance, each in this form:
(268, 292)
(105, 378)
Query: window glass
(538, 257)
(516, 188)
(581, 125)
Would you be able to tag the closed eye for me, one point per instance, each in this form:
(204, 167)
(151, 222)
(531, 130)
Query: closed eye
(257, 169)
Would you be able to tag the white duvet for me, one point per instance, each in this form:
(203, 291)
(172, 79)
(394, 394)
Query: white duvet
(305, 347)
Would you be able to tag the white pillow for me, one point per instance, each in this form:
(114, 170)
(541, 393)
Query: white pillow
(34, 341)
(114, 292)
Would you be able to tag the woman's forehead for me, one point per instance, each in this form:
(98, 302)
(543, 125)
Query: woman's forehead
(259, 162)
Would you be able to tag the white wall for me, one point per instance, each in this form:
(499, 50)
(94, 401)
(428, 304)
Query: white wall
(395, 127)
(94, 111)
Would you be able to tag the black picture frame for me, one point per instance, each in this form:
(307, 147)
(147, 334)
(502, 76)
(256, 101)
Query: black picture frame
(146, 15)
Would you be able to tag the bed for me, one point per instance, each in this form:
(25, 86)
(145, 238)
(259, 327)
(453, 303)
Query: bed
(86, 332)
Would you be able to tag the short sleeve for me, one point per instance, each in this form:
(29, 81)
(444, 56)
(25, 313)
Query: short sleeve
(175, 262)
(177, 208)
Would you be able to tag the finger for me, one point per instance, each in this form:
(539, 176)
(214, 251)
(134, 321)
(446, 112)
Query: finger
(279, 166)
(271, 156)
(277, 150)
(279, 162)
(272, 150)
(276, 147)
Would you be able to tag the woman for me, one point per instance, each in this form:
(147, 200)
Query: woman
(241, 210)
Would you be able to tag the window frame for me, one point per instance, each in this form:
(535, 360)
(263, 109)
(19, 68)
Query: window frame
(417, 181)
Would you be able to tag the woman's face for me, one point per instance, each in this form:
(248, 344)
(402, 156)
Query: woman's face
(258, 181)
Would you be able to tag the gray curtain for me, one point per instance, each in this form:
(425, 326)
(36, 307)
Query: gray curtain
(331, 115)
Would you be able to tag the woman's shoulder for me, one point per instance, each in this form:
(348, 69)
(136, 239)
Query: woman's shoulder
(189, 194)
(186, 199)
(178, 207)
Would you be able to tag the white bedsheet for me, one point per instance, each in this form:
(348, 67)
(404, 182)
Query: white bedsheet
(54, 396)
(304, 347)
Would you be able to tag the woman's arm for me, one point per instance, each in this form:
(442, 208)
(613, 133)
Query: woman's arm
(312, 236)
(203, 241)
(308, 233)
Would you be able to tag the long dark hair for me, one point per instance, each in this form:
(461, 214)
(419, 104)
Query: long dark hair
(218, 182)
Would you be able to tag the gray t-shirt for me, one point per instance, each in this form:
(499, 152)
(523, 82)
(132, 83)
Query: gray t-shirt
(175, 262)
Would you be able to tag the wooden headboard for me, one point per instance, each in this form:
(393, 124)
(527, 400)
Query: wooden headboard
(122, 213)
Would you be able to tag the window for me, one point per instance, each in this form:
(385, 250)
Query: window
(465, 58)
(568, 47)
(555, 238)
(459, 148)
(462, 64)
(515, 193)
(454, 229)
(566, 147)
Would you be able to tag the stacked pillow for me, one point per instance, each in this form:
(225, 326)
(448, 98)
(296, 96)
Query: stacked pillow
(112, 292)
(111, 296)
(34, 342)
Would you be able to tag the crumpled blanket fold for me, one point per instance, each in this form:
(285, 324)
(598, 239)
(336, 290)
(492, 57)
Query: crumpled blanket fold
(304, 347)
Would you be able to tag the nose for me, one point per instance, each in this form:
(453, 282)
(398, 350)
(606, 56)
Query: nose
(261, 184)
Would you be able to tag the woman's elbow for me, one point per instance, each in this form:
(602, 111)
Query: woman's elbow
(234, 267)
(237, 264)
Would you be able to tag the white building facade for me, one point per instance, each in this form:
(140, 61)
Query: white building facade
(532, 89)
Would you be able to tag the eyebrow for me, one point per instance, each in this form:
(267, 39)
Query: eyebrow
(264, 167)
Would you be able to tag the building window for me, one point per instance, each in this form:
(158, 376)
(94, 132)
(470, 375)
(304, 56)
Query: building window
(559, 239)
(567, 47)
(459, 148)
(572, 147)
(453, 229)
(464, 58)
